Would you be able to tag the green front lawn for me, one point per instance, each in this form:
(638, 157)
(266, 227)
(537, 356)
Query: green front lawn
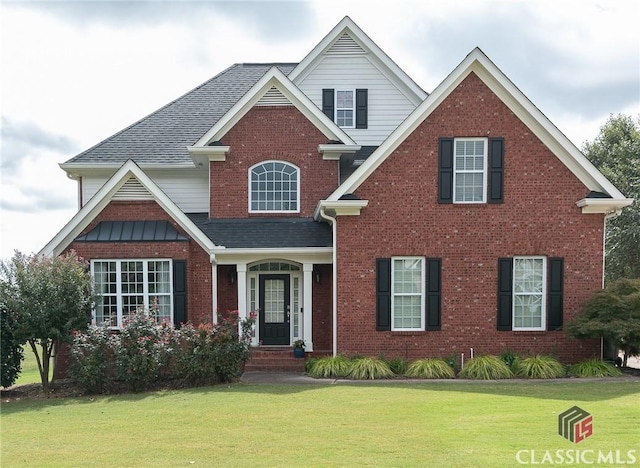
(391, 424)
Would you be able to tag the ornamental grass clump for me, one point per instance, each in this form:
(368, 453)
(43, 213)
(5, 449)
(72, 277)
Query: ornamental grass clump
(329, 366)
(486, 368)
(539, 367)
(430, 368)
(594, 368)
(367, 368)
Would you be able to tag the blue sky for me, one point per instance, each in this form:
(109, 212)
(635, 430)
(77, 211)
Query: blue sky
(73, 73)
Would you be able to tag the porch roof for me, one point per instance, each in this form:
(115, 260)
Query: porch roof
(264, 233)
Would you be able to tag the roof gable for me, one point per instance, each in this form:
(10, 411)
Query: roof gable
(477, 62)
(109, 191)
(273, 85)
(346, 38)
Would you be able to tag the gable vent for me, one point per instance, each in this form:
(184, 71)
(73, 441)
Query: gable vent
(345, 45)
(132, 190)
(273, 97)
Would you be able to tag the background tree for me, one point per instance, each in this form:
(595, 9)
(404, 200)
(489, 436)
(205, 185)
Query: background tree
(47, 298)
(616, 152)
(10, 349)
(614, 313)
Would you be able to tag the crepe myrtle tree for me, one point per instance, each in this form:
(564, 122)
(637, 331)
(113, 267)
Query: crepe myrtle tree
(47, 298)
(613, 313)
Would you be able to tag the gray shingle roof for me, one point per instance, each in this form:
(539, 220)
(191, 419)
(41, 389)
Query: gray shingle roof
(162, 137)
(269, 233)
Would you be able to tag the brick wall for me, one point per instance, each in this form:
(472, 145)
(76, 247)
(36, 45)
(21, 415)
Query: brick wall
(538, 217)
(322, 311)
(271, 133)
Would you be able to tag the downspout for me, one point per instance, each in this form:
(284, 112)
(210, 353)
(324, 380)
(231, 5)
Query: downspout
(334, 276)
(607, 216)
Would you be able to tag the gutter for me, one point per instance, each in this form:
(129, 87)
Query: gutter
(334, 275)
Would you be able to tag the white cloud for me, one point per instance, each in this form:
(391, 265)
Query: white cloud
(74, 73)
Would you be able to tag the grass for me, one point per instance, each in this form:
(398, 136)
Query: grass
(29, 370)
(453, 424)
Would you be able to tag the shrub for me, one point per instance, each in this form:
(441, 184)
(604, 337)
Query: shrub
(486, 368)
(144, 354)
(329, 366)
(398, 365)
(138, 351)
(509, 358)
(91, 364)
(539, 367)
(430, 369)
(594, 368)
(11, 349)
(453, 362)
(369, 369)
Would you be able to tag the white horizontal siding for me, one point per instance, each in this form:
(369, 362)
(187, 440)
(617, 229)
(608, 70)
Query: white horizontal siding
(387, 106)
(188, 188)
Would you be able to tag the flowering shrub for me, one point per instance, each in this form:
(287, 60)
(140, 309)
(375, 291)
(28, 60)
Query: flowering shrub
(91, 363)
(145, 354)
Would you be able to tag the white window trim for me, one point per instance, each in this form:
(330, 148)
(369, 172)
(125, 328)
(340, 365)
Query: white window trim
(249, 191)
(145, 293)
(484, 169)
(422, 293)
(352, 108)
(543, 308)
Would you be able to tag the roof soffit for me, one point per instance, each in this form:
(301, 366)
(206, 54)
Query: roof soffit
(477, 62)
(375, 55)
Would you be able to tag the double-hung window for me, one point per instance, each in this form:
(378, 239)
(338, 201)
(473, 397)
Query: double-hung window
(345, 108)
(274, 188)
(470, 170)
(408, 293)
(124, 286)
(529, 280)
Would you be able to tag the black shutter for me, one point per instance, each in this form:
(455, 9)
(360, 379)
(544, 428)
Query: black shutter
(179, 292)
(328, 103)
(496, 170)
(505, 297)
(361, 108)
(383, 294)
(433, 293)
(445, 170)
(556, 275)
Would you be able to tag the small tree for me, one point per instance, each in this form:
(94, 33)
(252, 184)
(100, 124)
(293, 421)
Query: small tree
(11, 348)
(613, 313)
(47, 298)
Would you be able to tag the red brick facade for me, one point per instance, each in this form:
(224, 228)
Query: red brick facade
(404, 218)
(538, 217)
(271, 133)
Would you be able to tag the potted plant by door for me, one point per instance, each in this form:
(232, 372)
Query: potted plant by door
(298, 348)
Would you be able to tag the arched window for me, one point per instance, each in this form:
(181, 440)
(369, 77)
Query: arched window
(274, 187)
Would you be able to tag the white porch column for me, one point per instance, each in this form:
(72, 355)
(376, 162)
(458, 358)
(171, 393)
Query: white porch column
(307, 305)
(241, 281)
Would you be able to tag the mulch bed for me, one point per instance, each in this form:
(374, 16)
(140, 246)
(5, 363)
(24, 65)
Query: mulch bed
(66, 389)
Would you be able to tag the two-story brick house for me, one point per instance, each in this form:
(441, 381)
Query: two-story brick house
(349, 208)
